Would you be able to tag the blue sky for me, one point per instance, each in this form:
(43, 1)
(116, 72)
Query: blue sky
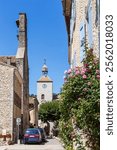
(47, 37)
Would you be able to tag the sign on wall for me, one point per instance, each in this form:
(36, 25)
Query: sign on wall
(4, 132)
(18, 121)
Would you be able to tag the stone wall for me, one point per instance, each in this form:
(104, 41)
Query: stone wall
(17, 102)
(10, 99)
(81, 7)
(6, 98)
(96, 29)
(33, 110)
(80, 17)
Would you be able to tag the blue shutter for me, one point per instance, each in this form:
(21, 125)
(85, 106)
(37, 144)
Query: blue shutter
(82, 41)
(90, 25)
(72, 19)
(97, 12)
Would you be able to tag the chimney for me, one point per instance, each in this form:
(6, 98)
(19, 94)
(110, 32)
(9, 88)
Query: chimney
(8, 60)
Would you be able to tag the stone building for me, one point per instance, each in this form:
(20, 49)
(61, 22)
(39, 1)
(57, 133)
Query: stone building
(10, 98)
(44, 86)
(33, 111)
(14, 85)
(22, 65)
(82, 23)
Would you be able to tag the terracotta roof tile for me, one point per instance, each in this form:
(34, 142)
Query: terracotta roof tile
(45, 79)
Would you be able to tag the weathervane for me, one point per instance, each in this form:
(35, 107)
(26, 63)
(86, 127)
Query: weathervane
(44, 61)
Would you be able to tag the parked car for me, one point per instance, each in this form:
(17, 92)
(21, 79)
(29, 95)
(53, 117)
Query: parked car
(32, 135)
(43, 134)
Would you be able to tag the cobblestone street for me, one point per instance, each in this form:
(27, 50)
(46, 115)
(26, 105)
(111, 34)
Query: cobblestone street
(51, 144)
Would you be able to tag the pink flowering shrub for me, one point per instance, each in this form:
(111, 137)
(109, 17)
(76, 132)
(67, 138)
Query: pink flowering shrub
(75, 72)
(80, 99)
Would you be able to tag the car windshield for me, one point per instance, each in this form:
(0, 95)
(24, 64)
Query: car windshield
(32, 132)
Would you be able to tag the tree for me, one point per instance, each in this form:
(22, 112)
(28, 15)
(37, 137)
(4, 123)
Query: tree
(49, 111)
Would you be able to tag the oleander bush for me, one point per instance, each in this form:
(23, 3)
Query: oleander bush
(80, 99)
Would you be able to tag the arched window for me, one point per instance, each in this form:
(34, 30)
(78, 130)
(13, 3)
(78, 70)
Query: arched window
(42, 96)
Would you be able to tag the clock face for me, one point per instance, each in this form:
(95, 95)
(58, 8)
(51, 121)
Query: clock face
(44, 85)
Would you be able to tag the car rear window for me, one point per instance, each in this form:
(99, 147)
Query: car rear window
(32, 132)
(41, 130)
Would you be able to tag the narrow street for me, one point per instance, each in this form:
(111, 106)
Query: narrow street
(50, 74)
(51, 144)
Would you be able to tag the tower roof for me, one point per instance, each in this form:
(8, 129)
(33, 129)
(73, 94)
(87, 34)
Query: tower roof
(45, 79)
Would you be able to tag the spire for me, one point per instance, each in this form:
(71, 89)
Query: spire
(45, 69)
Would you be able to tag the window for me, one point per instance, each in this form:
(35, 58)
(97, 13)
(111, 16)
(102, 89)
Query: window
(42, 96)
(82, 41)
(90, 25)
(97, 12)
(72, 19)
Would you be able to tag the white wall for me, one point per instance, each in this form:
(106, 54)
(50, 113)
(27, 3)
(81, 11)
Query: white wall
(48, 91)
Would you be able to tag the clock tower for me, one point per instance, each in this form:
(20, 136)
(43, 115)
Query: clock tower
(44, 86)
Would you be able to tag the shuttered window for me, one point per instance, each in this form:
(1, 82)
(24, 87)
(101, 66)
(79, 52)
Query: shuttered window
(72, 19)
(82, 41)
(90, 26)
(97, 12)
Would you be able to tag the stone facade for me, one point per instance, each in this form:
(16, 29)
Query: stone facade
(6, 96)
(14, 85)
(82, 22)
(10, 99)
(17, 104)
(33, 110)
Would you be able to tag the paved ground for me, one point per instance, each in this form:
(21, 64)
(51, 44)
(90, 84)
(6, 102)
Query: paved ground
(51, 144)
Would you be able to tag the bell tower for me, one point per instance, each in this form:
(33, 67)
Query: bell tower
(44, 86)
